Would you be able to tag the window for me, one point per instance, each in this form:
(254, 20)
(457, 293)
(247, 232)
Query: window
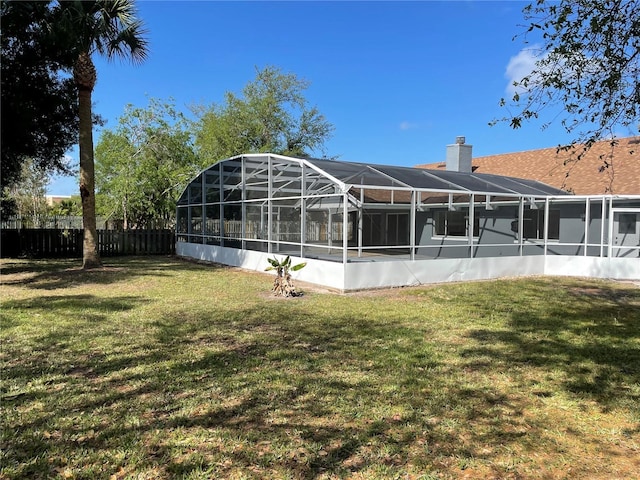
(533, 224)
(627, 224)
(455, 224)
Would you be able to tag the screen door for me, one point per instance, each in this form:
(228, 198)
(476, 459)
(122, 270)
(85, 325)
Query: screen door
(626, 234)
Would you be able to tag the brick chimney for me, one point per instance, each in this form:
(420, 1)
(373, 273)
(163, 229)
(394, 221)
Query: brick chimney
(459, 156)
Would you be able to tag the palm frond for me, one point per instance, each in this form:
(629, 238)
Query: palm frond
(108, 27)
(130, 43)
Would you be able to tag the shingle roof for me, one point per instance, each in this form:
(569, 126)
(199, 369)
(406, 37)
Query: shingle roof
(561, 170)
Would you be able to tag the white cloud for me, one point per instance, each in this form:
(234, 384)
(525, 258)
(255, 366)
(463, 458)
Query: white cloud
(70, 162)
(520, 66)
(407, 125)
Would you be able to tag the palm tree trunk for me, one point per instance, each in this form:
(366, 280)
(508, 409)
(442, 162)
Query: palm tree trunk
(90, 255)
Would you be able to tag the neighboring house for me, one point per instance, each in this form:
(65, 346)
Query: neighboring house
(55, 199)
(364, 226)
(603, 169)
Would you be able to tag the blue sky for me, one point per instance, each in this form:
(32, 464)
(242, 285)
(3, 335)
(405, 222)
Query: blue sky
(398, 80)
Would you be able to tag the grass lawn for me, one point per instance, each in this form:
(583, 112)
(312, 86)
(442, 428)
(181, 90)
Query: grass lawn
(159, 368)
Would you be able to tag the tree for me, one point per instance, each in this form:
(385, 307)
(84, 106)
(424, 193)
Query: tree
(29, 191)
(144, 163)
(282, 284)
(271, 116)
(109, 28)
(39, 106)
(71, 207)
(587, 68)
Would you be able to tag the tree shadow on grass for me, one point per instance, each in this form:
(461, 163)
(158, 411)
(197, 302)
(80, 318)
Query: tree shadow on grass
(317, 385)
(587, 331)
(47, 274)
(280, 390)
(79, 309)
(319, 361)
(251, 375)
(63, 347)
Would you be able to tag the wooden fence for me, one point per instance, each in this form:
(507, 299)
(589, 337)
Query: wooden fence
(17, 222)
(67, 243)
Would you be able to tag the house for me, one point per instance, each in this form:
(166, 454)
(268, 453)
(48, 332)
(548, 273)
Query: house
(361, 226)
(603, 169)
(56, 199)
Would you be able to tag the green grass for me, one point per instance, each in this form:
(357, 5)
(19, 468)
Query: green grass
(159, 368)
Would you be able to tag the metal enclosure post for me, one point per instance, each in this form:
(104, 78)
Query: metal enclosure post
(610, 228)
(303, 209)
(188, 229)
(546, 224)
(587, 215)
(330, 230)
(412, 226)
(243, 179)
(278, 232)
(262, 223)
(269, 205)
(221, 219)
(472, 215)
(360, 221)
(602, 216)
(345, 229)
(521, 225)
(203, 208)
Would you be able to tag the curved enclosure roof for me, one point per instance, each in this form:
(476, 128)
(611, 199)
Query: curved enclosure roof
(386, 176)
(347, 175)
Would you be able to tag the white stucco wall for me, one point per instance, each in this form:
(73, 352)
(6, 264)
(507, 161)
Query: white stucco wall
(402, 273)
(614, 267)
(328, 274)
(397, 273)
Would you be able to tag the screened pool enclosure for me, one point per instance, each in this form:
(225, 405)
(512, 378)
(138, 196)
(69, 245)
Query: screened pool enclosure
(364, 226)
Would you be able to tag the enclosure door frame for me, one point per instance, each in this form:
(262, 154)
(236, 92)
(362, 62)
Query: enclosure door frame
(618, 241)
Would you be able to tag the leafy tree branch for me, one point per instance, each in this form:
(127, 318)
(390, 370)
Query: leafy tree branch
(587, 72)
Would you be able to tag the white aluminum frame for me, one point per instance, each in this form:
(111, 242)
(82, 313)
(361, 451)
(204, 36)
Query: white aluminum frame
(357, 272)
